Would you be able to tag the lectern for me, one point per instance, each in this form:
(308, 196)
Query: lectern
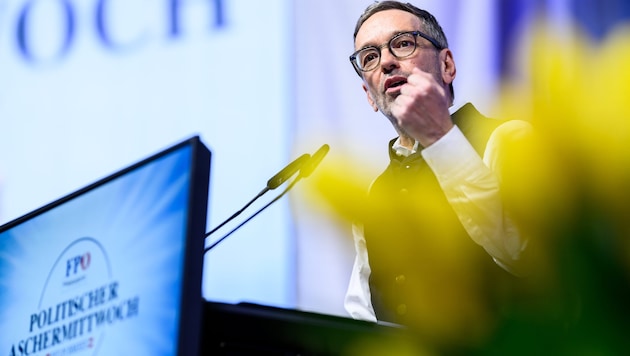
(252, 329)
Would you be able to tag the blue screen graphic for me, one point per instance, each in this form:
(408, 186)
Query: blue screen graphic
(100, 273)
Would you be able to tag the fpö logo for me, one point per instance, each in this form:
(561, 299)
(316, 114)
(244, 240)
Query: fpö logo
(47, 31)
(73, 318)
(77, 266)
(83, 263)
(79, 287)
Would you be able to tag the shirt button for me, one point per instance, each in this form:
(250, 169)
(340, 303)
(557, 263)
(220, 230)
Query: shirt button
(400, 279)
(404, 191)
(407, 166)
(401, 309)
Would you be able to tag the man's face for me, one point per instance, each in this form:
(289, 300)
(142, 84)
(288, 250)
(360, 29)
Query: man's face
(382, 84)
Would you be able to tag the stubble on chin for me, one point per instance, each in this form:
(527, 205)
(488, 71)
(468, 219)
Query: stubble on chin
(385, 107)
(384, 104)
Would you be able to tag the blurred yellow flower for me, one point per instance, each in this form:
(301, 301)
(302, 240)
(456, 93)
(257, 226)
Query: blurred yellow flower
(568, 188)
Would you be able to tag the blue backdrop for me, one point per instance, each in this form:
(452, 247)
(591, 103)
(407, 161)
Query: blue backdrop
(87, 87)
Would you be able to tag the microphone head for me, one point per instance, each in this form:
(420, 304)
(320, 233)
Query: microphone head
(288, 171)
(312, 163)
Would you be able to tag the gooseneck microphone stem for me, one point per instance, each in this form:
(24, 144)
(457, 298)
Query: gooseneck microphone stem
(262, 192)
(306, 164)
(253, 215)
(273, 183)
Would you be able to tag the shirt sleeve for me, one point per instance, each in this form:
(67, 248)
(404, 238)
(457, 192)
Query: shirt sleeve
(472, 187)
(358, 300)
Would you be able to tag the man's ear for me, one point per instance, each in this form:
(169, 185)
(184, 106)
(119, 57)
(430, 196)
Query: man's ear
(369, 98)
(447, 66)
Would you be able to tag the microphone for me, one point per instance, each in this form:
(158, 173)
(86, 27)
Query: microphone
(315, 160)
(273, 183)
(287, 172)
(308, 165)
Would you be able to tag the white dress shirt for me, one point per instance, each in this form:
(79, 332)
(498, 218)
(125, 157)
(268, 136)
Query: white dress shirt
(472, 189)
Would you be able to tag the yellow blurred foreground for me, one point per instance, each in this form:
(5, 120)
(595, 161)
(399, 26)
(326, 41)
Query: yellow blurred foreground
(567, 185)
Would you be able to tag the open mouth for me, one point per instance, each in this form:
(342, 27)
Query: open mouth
(394, 83)
(397, 84)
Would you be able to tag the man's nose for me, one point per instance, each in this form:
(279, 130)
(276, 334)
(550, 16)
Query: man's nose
(388, 60)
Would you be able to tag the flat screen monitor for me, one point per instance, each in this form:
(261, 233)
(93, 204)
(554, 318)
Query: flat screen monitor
(113, 268)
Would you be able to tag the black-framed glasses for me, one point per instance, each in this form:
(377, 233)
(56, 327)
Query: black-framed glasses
(400, 46)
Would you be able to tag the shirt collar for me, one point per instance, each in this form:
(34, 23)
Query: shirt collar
(402, 150)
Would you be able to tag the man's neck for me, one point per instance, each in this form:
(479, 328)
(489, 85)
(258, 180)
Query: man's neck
(407, 141)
